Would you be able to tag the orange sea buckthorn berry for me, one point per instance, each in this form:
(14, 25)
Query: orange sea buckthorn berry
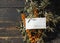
(35, 12)
(22, 16)
(27, 31)
(33, 41)
(29, 36)
(30, 39)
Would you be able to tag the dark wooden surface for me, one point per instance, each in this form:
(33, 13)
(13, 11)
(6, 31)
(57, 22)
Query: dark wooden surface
(11, 3)
(9, 13)
(8, 18)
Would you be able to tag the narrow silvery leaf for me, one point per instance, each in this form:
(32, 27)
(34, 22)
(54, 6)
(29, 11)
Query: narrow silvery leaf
(26, 0)
(18, 10)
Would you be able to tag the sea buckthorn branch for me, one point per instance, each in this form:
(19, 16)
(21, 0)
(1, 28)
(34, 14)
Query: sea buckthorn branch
(35, 10)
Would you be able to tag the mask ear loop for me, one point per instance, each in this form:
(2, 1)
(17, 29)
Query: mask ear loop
(29, 20)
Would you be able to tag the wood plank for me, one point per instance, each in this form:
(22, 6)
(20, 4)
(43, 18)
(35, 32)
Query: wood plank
(12, 3)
